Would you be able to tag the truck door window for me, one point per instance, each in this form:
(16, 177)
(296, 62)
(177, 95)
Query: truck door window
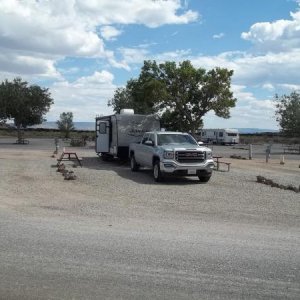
(151, 138)
(145, 138)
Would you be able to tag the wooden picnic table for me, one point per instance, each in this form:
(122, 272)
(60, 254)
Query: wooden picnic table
(217, 160)
(221, 162)
(69, 155)
(22, 141)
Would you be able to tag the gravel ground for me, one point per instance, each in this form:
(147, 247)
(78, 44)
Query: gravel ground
(108, 196)
(29, 170)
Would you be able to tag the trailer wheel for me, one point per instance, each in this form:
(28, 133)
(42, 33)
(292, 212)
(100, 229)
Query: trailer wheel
(157, 174)
(203, 178)
(133, 165)
(106, 157)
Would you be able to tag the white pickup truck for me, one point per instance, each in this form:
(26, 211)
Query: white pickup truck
(171, 153)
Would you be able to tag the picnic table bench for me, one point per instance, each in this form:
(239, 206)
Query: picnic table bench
(69, 155)
(22, 141)
(218, 162)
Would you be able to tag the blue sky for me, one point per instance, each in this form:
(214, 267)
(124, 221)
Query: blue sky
(82, 50)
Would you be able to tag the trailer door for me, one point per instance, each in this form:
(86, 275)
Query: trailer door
(102, 136)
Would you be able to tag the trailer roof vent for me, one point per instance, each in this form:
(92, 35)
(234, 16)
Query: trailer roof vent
(127, 111)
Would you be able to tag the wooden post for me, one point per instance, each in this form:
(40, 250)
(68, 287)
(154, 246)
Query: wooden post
(250, 151)
(268, 152)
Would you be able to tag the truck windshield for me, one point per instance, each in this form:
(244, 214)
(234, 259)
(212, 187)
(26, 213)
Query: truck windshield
(175, 139)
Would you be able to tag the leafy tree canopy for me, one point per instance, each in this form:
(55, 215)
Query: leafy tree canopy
(65, 123)
(180, 93)
(288, 113)
(24, 104)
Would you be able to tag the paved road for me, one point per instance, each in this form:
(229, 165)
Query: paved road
(77, 258)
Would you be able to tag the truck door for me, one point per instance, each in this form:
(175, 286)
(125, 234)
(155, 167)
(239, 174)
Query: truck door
(102, 136)
(148, 151)
(140, 155)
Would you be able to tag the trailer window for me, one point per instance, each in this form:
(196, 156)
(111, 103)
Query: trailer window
(102, 128)
(232, 134)
(220, 134)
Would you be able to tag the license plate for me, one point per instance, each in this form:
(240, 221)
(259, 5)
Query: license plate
(192, 172)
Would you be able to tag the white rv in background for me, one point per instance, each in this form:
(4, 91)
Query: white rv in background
(220, 136)
(114, 133)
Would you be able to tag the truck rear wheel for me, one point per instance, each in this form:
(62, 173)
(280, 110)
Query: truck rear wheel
(157, 174)
(133, 165)
(204, 178)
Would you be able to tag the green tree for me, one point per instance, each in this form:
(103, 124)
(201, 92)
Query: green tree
(174, 121)
(180, 93)
(288, 113)
(133, 96)
(122, 99)
(65, 123)
(24, 104)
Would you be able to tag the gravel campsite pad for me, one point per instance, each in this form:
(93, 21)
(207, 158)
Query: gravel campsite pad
(119, 235)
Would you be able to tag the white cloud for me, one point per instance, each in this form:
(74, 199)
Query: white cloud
(134, 55)
(249, 112)
(24, 64)
(281, 35)
(86, 97)
(275, 68)
(151, 13)
(110, 33)
(47, 27)
(219, 35)
(36, 35)
(98, 78)
(290, 87)
(256, 70)
(266, 71)
(241, 94)
(176, 55)
(52, 30)
(268, 86)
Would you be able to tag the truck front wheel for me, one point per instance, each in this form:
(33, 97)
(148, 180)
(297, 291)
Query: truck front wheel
(157, 174)
(133, 165)
(204, 178)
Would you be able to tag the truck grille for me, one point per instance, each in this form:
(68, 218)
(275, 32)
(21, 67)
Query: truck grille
(190, 156)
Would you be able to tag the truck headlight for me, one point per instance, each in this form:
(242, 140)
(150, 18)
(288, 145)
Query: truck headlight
(208, 154)
(169, 154)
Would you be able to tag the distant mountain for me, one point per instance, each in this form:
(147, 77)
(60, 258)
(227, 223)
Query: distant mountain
(90, 126)
(255, 130)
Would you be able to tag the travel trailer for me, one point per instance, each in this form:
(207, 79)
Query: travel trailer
(115, 132)
(220, 136)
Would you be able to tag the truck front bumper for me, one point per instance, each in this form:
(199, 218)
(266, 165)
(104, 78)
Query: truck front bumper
(175, 168)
